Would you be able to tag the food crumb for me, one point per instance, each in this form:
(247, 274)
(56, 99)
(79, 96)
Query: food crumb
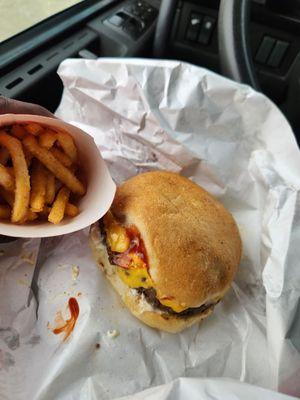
(1, 252)
(112, 334)
(79, 294)
(29, 257)
(97, 345)
(75, 272)
(22, 282)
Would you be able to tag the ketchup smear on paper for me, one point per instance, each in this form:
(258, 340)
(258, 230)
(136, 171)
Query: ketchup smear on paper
(69, 325)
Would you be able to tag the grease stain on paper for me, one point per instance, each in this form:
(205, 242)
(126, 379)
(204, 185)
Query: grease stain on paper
(11, 337)
(34, 340)
(22, 282)
(6, 360)
(29, 257)
(75, 272)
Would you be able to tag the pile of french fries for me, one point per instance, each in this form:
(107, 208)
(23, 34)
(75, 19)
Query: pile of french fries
(39, 170)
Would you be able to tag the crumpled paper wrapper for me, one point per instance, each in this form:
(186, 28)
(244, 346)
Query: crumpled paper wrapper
(206, 389)
(145, 115)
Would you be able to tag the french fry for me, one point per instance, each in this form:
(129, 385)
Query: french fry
(28, 157)
(52, 158)
(6, 178)
(71, 210)
(5, 211)
(38, 187)
(18, 131)
(45, 212)
(7, 196)
(22, 181)
(58, 185)
(62, 157)
(58, 209)
(50, 188)
(34, 128)
(55, 166)
(47, 139)
(10, 170)
(30, 216)
(4, 155)
(67, 143)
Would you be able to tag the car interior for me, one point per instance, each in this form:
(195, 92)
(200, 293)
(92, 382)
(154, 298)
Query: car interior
(254, 42)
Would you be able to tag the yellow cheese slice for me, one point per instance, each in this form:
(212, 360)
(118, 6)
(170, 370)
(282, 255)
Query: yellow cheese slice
(135, 277)
(177, 307)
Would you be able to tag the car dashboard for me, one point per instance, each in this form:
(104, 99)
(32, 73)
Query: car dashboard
(110, 28)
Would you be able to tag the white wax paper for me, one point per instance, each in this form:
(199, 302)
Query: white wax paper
(206, 389)
(146, 115)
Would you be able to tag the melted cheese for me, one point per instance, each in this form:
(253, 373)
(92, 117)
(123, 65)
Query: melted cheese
(136, 262)
(135, 277)
(177, 307)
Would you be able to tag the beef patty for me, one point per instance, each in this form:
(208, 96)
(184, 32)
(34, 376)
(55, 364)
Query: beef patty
(150, 296)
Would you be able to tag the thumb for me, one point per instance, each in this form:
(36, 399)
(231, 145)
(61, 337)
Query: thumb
(10, 106)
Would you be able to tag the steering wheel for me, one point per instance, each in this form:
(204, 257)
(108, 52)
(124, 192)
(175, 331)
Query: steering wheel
(234, 46)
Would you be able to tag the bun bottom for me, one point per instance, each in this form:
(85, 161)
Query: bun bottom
(135, 302)
(170, 324)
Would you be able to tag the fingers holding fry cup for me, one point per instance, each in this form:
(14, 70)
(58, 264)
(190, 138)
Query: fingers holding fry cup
(55, 166)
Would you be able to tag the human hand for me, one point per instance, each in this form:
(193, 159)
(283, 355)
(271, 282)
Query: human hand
(11, 106)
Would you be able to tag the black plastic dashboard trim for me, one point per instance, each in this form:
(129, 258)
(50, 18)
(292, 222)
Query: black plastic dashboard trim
(27, 41)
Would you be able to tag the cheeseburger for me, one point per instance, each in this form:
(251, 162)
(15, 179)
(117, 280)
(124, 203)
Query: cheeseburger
(169, 248)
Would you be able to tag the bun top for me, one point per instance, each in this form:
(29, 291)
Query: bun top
(192, 242)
